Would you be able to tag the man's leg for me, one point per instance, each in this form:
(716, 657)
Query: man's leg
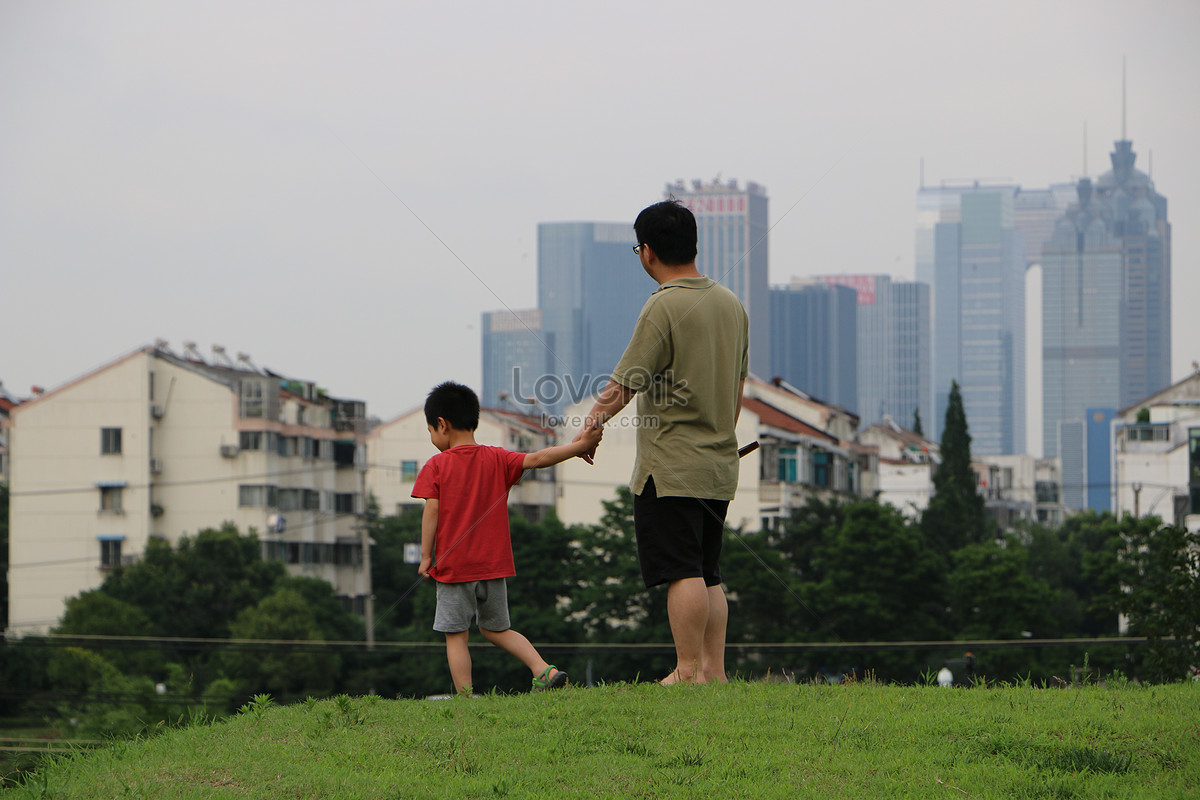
(688, 611)
(459, 656)
(712, 661)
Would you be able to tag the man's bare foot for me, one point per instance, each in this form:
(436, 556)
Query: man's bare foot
(677, 677)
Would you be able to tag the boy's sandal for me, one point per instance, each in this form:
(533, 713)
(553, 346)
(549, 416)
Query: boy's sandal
(543, 682)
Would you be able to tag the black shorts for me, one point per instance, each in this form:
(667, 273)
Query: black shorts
(678, 537)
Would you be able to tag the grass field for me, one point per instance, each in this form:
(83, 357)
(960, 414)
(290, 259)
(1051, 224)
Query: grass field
(752, 740)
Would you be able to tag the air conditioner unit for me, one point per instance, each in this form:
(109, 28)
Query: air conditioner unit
(157, 411)
(229, 450)
(156, 466)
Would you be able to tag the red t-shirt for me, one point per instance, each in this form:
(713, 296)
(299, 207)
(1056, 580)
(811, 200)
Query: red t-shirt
(471, 484)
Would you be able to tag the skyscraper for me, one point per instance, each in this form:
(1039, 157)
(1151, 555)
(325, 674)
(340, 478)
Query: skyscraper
(1106, 297)
(892, 358)
(732, 226)
(516, 353)
(591, 287)
(814, 340)
(972, 254)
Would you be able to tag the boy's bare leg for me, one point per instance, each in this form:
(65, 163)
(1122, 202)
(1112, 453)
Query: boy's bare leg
(459, 656)
(712, 661)
(688, 611)
(516, 644)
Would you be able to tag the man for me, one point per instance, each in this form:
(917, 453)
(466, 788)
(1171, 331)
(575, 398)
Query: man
(686, 362)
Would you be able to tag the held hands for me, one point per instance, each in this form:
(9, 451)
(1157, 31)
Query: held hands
(591, 434)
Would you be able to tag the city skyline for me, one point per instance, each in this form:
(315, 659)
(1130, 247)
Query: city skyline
(370, 177)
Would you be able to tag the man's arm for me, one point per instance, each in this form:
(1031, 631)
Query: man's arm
(429, 520)
(612, 399)
(585, 442)
(741, 392)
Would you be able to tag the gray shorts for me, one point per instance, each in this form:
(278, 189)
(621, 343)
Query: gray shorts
(459, 603)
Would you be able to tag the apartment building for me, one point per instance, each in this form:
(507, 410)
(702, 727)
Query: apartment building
(907, 461)
(159, 445)
(1156, 454)
(396, 451)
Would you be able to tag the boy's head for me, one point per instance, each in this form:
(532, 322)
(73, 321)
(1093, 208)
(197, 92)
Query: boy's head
(670, 230)
(455, 403)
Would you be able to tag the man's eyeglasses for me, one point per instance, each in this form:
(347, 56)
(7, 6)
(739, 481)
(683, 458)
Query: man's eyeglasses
(637, 248)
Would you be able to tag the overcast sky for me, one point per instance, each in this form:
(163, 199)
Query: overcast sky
(339, 189)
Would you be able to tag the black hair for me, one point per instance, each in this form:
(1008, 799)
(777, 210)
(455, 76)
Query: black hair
(455, 403)
(670, 229)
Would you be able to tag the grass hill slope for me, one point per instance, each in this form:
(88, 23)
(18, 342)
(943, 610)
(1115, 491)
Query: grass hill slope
(743, 740)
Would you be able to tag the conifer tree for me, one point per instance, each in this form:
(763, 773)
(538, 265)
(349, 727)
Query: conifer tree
(955, 516)
(918, 429)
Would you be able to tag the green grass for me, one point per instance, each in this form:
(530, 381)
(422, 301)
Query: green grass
(645, 741)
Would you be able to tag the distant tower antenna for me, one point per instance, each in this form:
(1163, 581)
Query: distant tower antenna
(1085, 150)
(1123, 138)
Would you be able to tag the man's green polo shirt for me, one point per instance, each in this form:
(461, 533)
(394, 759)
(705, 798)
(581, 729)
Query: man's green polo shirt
(686, 361)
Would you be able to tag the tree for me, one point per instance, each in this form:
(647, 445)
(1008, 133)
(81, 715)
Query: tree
(993, 596)
(197, 588)
(864, 573)
(3, 555)
(1159, 568)
(955, 515)
(278, 670)
(95, 613)
(918, 428)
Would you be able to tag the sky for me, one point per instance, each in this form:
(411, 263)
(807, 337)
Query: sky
(340, 189)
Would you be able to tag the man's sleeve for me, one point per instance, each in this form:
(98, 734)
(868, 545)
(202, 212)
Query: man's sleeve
(426, 485)
(648, 353)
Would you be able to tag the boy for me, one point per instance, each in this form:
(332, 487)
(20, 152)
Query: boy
(465, 544)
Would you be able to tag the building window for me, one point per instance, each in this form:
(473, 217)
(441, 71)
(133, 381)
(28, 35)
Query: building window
(110, 553)
(343, 503)
(110, 499)
(820, 468)
(110, 441)
(252, 440)
(290, 499)
(251, 399)
(408, 471)
(787, 465)
(255, 496)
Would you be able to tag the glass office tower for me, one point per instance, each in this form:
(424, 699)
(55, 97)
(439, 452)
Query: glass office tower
(1106, 297)
(814, 340)
(591, 287)
(973, 256)
(732, 226)
(892, 360)
(516, 352)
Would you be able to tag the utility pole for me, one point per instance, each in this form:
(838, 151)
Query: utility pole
(1137, 490)
(364, 538)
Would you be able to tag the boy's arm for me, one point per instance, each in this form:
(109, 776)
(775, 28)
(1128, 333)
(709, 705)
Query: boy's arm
(429, 519)
(584, 443)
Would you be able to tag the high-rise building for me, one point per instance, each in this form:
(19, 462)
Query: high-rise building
(973, 255)
(1106, 298)
(732, 226)
(517, 352)
(591, 287)
(892, 359)
(814, 340)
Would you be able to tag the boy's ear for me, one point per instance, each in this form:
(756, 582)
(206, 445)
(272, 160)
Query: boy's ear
(443, 426)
